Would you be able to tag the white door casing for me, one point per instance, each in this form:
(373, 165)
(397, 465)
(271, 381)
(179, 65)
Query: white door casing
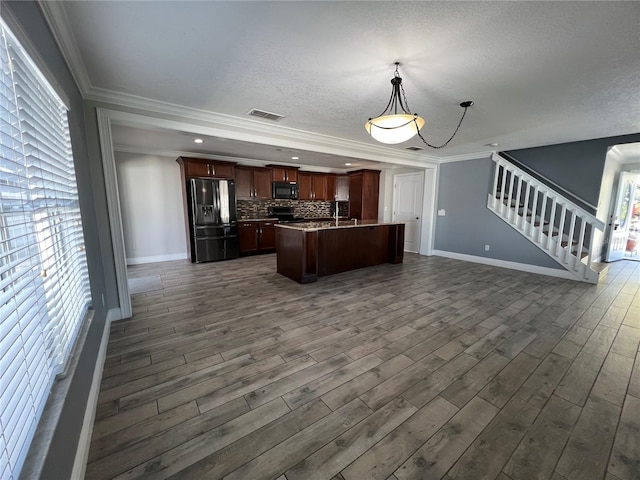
(407, 206)
(622, 216)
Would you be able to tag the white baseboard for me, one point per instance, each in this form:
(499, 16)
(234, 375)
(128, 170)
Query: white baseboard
(523, 267)
(114, 314)
(84, 442)
(157, 258)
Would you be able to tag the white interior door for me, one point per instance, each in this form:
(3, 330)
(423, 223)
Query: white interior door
(407, 206)
(622, 235)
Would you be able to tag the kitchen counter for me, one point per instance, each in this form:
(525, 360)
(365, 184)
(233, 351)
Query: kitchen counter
(315, 225)
(306, 251)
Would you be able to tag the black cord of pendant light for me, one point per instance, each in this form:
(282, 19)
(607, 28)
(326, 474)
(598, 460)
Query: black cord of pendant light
(464, 105)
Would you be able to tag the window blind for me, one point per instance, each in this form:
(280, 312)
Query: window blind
(44, 283)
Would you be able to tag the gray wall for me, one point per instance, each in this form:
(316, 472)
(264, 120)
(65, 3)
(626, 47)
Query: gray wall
(576, 166)
(59, 459)
(469, 225)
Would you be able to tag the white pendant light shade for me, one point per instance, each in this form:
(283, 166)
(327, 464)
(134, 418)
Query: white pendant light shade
(396, 128)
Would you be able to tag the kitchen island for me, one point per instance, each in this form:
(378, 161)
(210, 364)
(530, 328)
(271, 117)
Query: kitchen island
(306, 251)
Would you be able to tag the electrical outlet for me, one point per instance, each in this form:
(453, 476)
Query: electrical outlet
(486, 248)
(442, 212)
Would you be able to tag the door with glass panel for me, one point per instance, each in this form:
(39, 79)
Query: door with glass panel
(625, 221)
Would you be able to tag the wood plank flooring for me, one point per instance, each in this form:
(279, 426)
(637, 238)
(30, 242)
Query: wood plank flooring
(431, 369)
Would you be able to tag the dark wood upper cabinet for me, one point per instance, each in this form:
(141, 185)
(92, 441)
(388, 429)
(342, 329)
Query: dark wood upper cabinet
(280, 173)
(253, 183)
(331, 187)
(305, 191)
(262, 183)
(364, 188)
(201, 167)
(316, 186)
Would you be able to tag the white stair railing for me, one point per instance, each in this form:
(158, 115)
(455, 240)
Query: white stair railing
(556, 225)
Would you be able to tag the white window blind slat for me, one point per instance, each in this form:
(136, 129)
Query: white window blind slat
(44, 283)
(4, 460)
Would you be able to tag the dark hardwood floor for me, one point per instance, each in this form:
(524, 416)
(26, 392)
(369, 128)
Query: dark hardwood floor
(434, 368)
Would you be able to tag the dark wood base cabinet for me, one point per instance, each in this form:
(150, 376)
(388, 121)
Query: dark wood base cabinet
(257, 236)
(305, 255)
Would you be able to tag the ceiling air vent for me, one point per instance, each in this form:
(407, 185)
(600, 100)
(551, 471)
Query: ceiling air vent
(268, 115)
(414, 149)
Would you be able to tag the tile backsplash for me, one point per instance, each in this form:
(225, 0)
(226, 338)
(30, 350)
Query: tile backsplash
(301, 208)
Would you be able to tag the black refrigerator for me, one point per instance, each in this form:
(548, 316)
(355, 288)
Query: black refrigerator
(212, 220)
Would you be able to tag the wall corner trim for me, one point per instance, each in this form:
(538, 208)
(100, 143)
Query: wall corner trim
(522, 267)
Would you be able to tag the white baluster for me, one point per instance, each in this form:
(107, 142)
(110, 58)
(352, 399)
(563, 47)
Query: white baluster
(578, 259)
(543, 215)
(526, 205)
(552, 218)
(515, 218)
(511, 174)
(494, 192)
(503, 181)
(534, 205)
(572, 224)
(563, 211)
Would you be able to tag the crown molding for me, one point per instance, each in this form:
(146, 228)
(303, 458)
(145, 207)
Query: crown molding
(56, 17)
(241, 161)
(225, 126)
(467, 156)
(302, 139)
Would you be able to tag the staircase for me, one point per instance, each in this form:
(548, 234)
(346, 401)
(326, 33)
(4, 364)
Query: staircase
(552, 222)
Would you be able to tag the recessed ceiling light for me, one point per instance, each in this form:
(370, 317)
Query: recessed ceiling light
(295, 158)
(347, 164)
(198, 140)
(491, 144)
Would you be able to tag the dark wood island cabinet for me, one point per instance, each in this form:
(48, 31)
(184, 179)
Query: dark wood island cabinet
(306, 251)
(257, 236)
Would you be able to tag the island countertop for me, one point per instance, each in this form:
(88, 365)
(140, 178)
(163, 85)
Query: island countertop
(330, 225)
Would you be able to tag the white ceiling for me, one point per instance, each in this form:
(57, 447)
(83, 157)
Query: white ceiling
(539, 72)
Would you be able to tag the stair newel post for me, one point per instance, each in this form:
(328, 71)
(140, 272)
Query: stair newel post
(552, 218)
(572, 224)
(502, 181)
(496, 175)
(592, 230)
(526, 205)
(534, 206)
(543, 215)
(516, 214)
(578, 259)
(563, 212)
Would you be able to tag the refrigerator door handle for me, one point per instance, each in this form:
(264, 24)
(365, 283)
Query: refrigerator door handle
(193, 201)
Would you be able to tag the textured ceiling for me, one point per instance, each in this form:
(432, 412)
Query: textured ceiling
(539, 72)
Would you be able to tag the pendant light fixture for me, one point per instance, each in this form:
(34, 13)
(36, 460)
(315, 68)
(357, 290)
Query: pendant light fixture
(396, 124)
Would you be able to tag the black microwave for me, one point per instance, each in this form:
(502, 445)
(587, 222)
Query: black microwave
(285, 190)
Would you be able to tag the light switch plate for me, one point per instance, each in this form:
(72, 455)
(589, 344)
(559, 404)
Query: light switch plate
(441, 212)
